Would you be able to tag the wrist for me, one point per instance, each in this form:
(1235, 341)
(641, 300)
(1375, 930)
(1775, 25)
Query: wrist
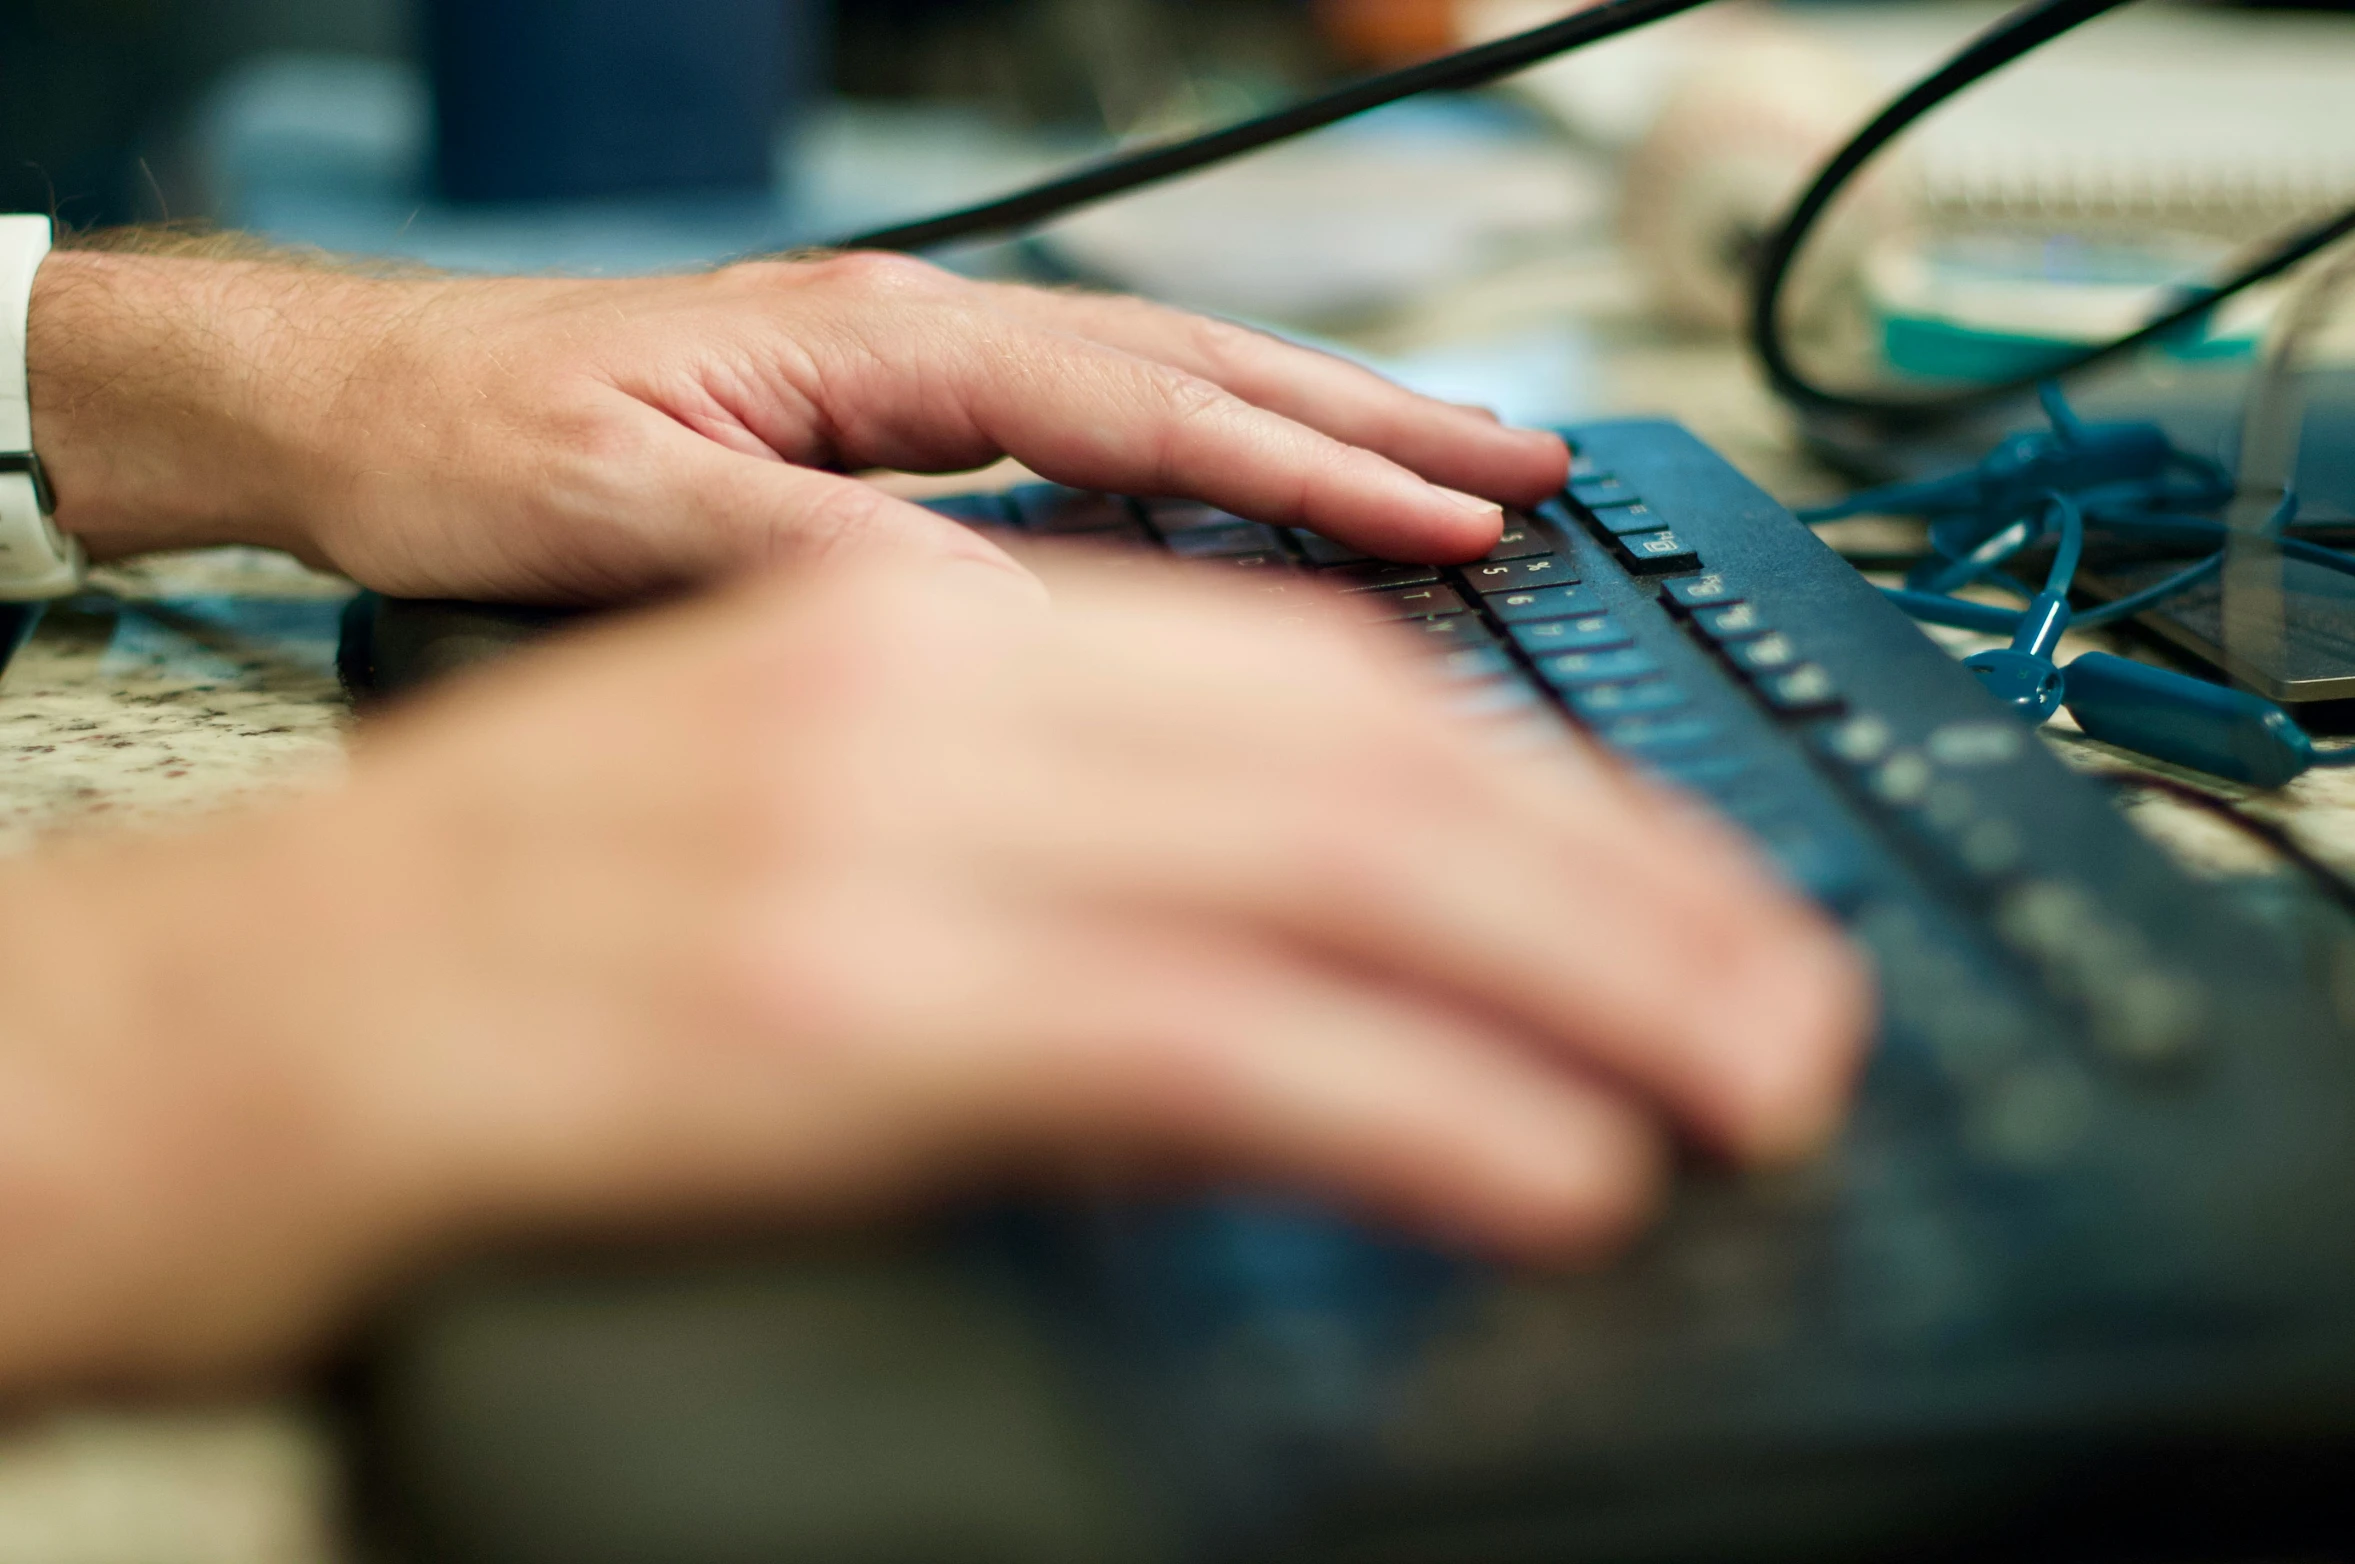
(170, 403)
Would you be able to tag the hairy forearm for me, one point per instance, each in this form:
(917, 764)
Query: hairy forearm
(178, 397)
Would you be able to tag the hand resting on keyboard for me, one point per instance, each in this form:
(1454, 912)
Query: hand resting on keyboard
(829, 896)
(542, 440)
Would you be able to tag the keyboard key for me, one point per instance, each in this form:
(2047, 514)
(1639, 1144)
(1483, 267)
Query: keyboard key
(1702, 591)
(1375, 575)
(1474, 662)
(1446, 634)
(1859, 743)
(1629, 518)
(983, 511)
(1603, 491)
(1558, 602)
(1594, 633)
(1735, 622)
(1583, 466)
(1417, 602)
(1168, 516)
(1519, 574)
(1575, 668)
(1704, 773)
(1522, 540)
(1659, 736)
(1767, 654)
(1225, 541)
(1051, 510)
(1264, 563)
(1324, 551)
(1599, 703)
(1658, 553)
(1803, 691)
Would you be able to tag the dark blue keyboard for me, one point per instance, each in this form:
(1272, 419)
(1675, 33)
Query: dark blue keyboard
(2079, 1281)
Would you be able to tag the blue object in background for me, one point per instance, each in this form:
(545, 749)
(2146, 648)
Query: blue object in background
(572, 99)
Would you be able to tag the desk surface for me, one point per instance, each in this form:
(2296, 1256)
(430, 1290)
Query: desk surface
(190, 682)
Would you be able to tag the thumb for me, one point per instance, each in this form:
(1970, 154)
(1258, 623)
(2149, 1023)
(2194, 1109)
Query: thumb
(759, 514)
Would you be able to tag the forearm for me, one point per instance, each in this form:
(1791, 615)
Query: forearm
(180, 1196)
(177, 399)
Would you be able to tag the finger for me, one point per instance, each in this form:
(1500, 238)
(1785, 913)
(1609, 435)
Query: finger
(1301, 796)
(1462, 448)
(751, 512)
(1261, 1067)
(1080, 413)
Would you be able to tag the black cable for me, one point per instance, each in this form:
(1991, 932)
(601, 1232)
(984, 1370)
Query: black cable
(1474, 67)
(2024, 30)
(2325, 878)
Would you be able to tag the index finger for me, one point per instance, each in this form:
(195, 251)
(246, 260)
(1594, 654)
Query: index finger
(1458, 447)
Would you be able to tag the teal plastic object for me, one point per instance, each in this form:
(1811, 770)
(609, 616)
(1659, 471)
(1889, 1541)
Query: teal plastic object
(2190, 722)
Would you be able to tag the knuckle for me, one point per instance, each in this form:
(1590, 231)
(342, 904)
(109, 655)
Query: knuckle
(875, 272)
(1223, 347)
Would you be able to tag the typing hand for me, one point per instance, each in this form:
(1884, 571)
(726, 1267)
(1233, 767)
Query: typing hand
(829, 896)
(554, 440)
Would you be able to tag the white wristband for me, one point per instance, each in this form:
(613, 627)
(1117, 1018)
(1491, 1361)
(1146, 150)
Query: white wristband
(36, 560)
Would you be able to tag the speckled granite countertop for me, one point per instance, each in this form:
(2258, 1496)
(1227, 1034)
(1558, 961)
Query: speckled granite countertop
(174, 687)
(180, 684)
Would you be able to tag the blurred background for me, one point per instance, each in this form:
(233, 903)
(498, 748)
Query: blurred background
(1620, 190)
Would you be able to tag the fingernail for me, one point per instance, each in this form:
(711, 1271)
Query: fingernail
(1474, 505)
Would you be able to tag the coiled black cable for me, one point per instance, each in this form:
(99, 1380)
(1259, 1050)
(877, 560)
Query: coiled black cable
(2026, 29)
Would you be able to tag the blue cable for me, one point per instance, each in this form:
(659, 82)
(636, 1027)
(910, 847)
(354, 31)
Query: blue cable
(2127, 480)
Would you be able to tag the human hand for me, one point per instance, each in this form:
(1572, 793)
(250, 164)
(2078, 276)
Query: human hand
(825, 898)
(551, 440)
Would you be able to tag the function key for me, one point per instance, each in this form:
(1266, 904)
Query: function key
(1603, 491)
(1324, 551)
(1584, 466)
(1374, 575)
(1415, 602)
(1554, 602)
(1453, 631)
(1803, 691)
(1600, 703)
(1571, 669)
(1513, 574)
(1703, 591)
(1772, 653)
(983, 511)
(1226, 540)
(1734, 622)
(1052, 510)
(1593, 633)
(1523, 539)
(1658, 553)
